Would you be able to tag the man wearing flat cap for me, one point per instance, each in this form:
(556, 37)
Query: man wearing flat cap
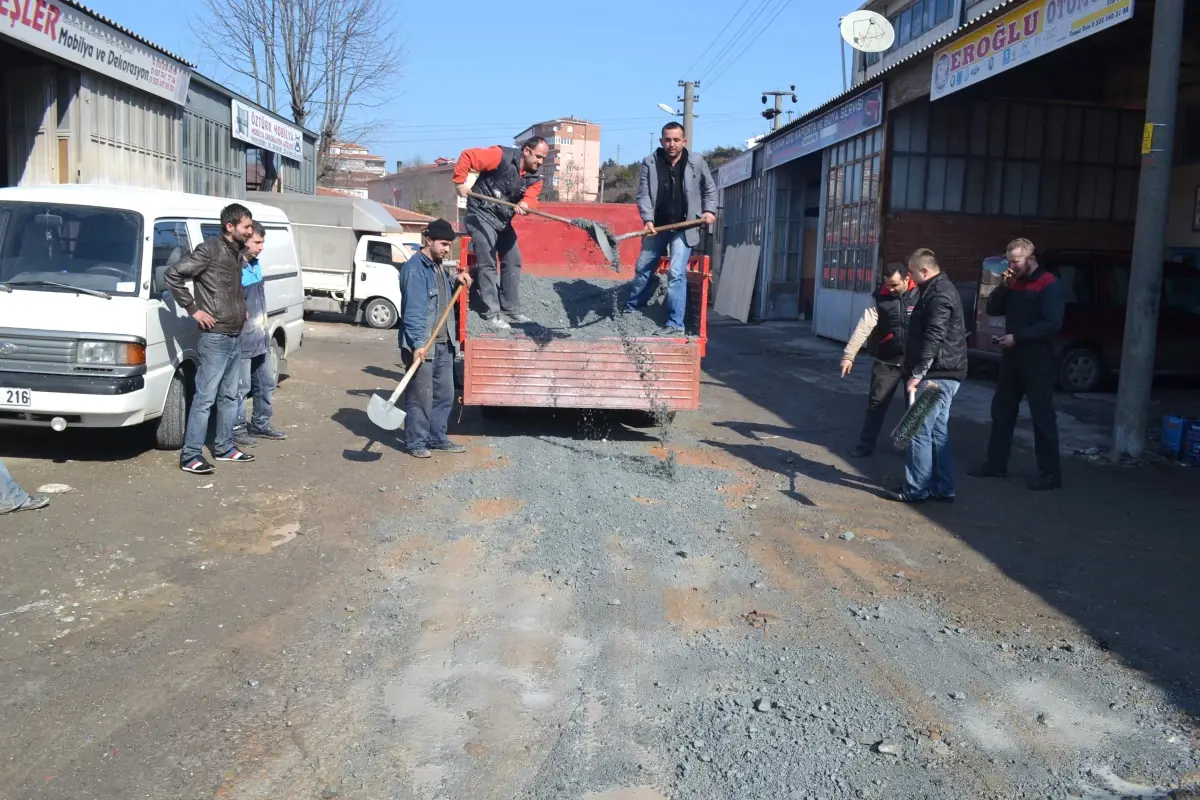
(426, 287)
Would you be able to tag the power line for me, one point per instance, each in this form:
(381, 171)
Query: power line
(735, 38)
(753, 39)
(720, 35)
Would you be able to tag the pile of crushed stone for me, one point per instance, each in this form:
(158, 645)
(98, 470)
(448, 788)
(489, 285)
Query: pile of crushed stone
(573, 308)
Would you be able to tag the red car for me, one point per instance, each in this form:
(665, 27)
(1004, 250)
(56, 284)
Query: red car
(1089, 345)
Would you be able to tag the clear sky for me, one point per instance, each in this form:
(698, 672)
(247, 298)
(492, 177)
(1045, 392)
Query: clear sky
(477, 72)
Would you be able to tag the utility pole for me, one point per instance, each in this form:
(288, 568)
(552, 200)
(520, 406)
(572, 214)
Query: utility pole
(690, 98)
(774, 114)
(1154, 189)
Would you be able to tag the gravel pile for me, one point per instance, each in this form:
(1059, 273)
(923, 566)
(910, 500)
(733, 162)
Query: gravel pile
(564, 308)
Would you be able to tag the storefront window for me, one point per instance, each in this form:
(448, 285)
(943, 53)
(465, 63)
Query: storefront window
(851, 214)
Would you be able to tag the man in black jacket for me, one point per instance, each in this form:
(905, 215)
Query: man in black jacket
(884, 329)
(936, 351)
(219, 308)
(1032, 303)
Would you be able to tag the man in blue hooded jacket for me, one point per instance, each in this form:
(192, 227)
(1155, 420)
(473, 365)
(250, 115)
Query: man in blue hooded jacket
(257, 378)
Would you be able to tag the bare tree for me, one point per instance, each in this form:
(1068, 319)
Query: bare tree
(334, 59)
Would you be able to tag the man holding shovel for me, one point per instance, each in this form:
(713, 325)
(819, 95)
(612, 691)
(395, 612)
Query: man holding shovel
(675, 186)
(509, 174)
(426, 289)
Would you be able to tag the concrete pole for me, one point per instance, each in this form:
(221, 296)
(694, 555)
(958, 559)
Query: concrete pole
(689, 102)
(1154, 189)
(777, 120)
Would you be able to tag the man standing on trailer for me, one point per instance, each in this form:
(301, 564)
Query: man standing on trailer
(509, 174)
(675, 185)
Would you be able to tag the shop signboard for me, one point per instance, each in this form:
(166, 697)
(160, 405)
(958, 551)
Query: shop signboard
(263, 130)
(736, 170)
(1031, 30)
(858, 114)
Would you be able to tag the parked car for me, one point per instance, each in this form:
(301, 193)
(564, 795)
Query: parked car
(89, 335)
(1096, 285)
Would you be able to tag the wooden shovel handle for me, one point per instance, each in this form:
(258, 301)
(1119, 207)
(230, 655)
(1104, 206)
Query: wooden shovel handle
(674, 226)
(408, 373)
(507, 204)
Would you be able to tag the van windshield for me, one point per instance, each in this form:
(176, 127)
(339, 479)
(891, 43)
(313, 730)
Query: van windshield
(46, 247)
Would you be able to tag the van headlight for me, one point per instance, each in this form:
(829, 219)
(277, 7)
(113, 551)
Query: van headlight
(110, 354)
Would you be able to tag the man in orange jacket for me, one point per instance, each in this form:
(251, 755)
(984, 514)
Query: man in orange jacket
(510, 174)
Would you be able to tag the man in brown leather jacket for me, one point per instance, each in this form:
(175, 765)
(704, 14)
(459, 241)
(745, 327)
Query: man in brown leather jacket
(219, 308)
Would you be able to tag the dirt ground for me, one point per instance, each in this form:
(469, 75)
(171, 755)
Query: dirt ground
(579, 609)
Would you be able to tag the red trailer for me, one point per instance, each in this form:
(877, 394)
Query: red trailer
(652, 374)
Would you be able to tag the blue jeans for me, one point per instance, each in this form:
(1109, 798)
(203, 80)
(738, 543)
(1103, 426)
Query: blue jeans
(11, 495)
(256, 380)
(217, 379)
(929, 465)
(429, 398)
(653, 249)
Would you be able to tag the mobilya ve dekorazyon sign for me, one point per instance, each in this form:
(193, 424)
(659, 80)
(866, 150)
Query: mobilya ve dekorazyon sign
(1033, 29)
(74, 36)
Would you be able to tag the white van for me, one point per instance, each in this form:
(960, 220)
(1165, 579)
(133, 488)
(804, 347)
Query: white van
(89, 334)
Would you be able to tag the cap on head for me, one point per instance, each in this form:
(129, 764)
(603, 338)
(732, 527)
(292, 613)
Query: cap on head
(440, 230)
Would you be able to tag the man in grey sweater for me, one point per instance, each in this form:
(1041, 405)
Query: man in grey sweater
(675, 185)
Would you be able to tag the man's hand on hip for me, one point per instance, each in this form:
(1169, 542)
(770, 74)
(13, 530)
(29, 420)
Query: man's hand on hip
(204, 319)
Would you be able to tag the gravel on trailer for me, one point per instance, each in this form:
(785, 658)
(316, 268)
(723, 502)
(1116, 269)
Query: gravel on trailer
(575, 308)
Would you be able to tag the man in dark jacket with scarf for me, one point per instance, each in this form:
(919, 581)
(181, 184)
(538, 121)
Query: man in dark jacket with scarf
(509, 174)
(257, 379)
(426, 288)
(219, 308)
(1032, 303)
(936, 351)
(884, 329)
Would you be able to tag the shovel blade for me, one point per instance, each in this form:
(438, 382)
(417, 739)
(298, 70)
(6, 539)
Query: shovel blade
(384, 414)
(606, 245)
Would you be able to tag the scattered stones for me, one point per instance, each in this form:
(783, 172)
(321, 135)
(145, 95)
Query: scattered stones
(350, 609)
(958, 696)
(762, 705)
(889, 749)
(847, 536)
(253, 684)
(614, 602)
(681, 553)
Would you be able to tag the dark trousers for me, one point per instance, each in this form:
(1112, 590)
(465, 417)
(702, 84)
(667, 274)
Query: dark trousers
(429, 398)
(499, 293)
(1028, 374)
(885, 378)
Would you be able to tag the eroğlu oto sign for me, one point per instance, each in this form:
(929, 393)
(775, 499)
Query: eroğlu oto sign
(1034, 29)
(81, 39)
(851, 118)
(261, 130)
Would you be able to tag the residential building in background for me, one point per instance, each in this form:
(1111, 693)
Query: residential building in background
(572, 171)
(140, 116)
(427, 189)
(352, 167)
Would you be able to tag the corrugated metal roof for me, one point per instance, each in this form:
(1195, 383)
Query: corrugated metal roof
(81, 7)
(868, 83)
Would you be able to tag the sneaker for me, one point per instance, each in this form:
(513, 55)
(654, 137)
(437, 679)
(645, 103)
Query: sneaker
(1045, 481)
(520, 319)
(32, 503)
(196, 466)
(667, 330)
(862, 451)
(421, 452)
(235, 455)
(986, 470)
(499, 324)
(274, 434)
(901, 496)
(243, 438)
(448, 447)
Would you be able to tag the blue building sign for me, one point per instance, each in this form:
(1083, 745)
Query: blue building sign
(856, 115)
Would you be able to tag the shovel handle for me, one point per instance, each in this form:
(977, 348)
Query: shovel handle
(408, 373)
(507, 204)
(674, 226)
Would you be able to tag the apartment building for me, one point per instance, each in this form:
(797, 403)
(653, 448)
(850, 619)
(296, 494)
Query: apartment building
(352, 167)
(572, 171)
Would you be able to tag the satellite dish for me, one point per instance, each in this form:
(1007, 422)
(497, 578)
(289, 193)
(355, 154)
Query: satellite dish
(867, 31)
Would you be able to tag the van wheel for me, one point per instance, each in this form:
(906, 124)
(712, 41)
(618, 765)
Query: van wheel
(169, 429)
(1080, 371)
(278, 362)
(380, 314)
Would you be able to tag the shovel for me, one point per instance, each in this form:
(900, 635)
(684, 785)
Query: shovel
(674, 226)
(600, 235)
(384, 413)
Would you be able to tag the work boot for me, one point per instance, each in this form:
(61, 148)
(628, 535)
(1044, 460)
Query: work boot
(448, 447)
(520, 319)
(986, 470)
(242, 438)
(1045, 481)
(499, 323)
(268, 432)
(667, 330)
(862, 451)
(420, 452)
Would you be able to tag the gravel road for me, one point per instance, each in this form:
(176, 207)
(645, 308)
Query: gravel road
(574, 609)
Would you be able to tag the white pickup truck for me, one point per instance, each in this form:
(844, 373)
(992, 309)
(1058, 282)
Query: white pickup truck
(350, 251)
